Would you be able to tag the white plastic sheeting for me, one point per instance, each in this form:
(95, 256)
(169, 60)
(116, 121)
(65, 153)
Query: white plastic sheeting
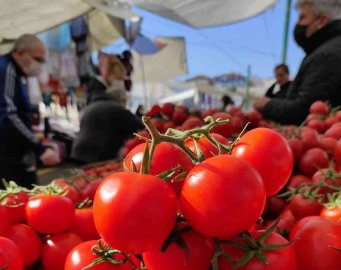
(204, 13)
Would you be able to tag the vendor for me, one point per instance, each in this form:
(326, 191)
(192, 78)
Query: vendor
(318, 32)
(105, 126)
(282, 79)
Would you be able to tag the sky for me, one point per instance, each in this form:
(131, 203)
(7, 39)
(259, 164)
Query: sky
(231, 48)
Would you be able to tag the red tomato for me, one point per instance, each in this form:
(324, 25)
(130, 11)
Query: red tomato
(16, 214)
(123, 207)
(286, 256)
(254, 117)
(337, 153)
(206, 147)
(225, 130)
(319, 107)
(312, 158)
(167, 109)
(90, 190)
(233, 110)
(287, 215)
(192, 122)
(56, 250)
(168, 125)
(269, 153)
(315, 241)
(130, 144)
(264, 124)
(311, 117)
(328, 144)
(222, 202)
(27, 240)
(80, 183)
(334, 132)
(318, 178)
(179, 116)
(84, 225)
(82, 256)
(158, 124)
(330, 121)
(200, 254)
(299, 224)
(301, 207)
(10, 255)
(70, 191)
(332, 214)
(296, 147)
(338, 116)
(197, 113)
(241, 116)
(309, 129)
(4, 219)
(283, 225)
(297, 180)
(209, 112)
(237, 125)
(310, 140)
(166, 157)
(50, 214)
(275, 206)
(317, 125)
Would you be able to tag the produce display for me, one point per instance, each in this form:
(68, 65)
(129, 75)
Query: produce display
(195, 191)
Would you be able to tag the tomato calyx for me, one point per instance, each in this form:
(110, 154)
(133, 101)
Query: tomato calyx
(86, 204)
(253, 247)
(5, 267)
(50, 189)
(337, 249)
(11, 189)
(165, 176)
(106, 254)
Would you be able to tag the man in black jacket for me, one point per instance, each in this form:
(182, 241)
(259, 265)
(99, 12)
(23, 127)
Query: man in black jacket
(318, 32)
(282, 78)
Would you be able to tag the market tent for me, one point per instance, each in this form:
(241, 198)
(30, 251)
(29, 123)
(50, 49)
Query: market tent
(204, 13)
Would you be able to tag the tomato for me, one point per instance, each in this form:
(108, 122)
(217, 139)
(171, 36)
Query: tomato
(82, 256)
(207, 147)
(311, 117)
(200, 254)
(287, 215)
(211, 197)
(158, 124)
(254, 117)
(334, 132)
(233, 110)
(134, 212)
(167, 109)
(297, 180)
(280, 259)
(319, 107)
(237, 125)
(197, 113)
(338, 116)
(10, 255)
(192, 122)
(16, 214)
(241, 116)
(168, 125)
(56, 250)
(337, 153)
(269, 153)
(130, 144)
(264, 124)
(312, 158)
(50, 214)
(310, 140)
(301, 207)
(332, 214)
(84, 225)
(179, 116)
(275, 205)
(4, 219)
(318, 178)
(166, 157)
(90, 190)
(299, 224)
(70, 191)
(225, 130)
(81, 182)
(27, 240)
(313, 246)
(209, 112)
(283, 226)
(328, 144)
(317, 125)
(296, 147)
(330, 121)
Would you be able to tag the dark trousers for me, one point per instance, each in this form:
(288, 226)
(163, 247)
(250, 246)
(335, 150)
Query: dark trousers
(11, 172)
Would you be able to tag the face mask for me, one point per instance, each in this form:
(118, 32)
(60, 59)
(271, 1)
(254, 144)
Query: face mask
(118, 84)
(300, 35)
(34, 69)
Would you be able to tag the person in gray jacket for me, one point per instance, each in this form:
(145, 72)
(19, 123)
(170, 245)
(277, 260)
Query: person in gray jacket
(318, 32)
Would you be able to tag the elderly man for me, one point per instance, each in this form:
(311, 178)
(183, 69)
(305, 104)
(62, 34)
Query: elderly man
(18, 145)
(282, 79)
(318, 32)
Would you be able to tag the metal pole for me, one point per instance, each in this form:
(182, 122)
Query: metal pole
(286, 31)
(144, 82)
(247, 95)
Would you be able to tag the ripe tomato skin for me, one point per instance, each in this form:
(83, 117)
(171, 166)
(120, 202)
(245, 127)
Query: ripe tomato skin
(296, 147)
(50, 214)
(330, 121)
(328, 144)
(206, 147)
(275, 205)
(313, 246)
(214, 180)
(200, 254)
(90, 190)
(168, 125)
(192, 122)
(283, 224)
(179, 116)
(319, 107)
(72, 193)
(167, 109)
(209, 112)
(310, 140)
(331, 214)
(134, 212)
(299, 224)
(334, 131)
(237, 125)
(166, 157)
(337, 153)
(281, 259)
(27, 240)
(4, 219)
(84, 225)
(82, 256)
(56, 250)
(312, 158)
(233, 110)
(317, 124)
(158, 124)
(10, 255)
(254, 117)
(301, 207)
(225, 130)
(297, 180)
(16, 214)
(269, 153)
(318, 178)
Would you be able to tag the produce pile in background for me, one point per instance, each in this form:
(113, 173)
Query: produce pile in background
(205, 192)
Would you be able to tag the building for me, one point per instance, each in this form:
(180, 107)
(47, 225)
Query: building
(202, 80)
(230, 80)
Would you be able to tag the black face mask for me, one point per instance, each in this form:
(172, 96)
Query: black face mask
(300, 35)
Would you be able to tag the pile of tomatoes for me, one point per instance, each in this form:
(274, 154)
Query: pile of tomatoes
(269, 198)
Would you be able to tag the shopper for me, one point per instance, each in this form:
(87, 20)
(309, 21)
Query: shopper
(318, 32)
(18, 145)
(282, 79)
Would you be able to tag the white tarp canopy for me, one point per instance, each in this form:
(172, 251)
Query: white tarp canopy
(204, 13)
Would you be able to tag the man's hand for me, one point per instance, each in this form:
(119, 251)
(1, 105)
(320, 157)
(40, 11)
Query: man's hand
(49, 158)
(260, 103)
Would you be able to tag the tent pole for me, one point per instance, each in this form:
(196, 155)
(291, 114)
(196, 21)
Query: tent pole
(286, 31)
(144, 82)
(247, 95)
